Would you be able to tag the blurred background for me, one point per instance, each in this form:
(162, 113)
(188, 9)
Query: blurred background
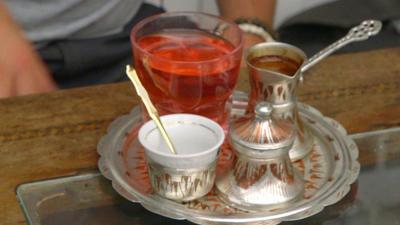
(284, 10)
(314, 24)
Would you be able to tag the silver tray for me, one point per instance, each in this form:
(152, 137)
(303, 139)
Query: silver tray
(328, 171)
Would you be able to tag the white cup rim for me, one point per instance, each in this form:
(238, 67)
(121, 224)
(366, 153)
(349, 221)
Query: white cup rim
(150, 125)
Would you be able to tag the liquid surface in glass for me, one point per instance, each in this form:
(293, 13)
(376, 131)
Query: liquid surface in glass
(188, 71)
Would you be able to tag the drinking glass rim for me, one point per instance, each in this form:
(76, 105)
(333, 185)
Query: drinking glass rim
(143, 22)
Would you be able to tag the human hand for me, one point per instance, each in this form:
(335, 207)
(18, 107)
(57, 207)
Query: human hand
(21, 70)
(249, 40)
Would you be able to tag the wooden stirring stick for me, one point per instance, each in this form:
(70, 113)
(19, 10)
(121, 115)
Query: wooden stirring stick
(149, 105)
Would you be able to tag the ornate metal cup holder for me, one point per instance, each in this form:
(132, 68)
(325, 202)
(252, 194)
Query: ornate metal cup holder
(328, 172)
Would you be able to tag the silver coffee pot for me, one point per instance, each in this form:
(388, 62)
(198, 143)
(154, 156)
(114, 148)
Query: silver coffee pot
(275, 79)
(263, 175)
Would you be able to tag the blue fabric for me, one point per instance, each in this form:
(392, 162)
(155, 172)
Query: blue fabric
(82, 62)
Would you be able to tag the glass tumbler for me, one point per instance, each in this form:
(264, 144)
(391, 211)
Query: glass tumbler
(188, 62)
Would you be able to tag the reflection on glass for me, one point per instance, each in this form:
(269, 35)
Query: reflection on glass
(89, 199)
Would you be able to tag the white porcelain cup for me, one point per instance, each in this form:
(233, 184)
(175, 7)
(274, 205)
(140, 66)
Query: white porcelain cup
(190, 173)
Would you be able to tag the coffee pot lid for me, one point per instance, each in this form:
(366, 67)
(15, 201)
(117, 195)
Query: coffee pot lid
(261, 130)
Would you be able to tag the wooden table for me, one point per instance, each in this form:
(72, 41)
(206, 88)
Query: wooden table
(53, 135)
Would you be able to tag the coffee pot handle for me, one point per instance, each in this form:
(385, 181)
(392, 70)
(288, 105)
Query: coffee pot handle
(361, 32)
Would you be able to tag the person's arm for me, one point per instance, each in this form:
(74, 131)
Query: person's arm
(21, 69)
(262, 10)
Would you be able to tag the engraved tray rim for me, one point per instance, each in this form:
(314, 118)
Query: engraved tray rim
(329, 197)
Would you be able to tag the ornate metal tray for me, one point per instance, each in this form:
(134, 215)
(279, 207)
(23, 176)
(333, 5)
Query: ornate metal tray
(328, 171)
